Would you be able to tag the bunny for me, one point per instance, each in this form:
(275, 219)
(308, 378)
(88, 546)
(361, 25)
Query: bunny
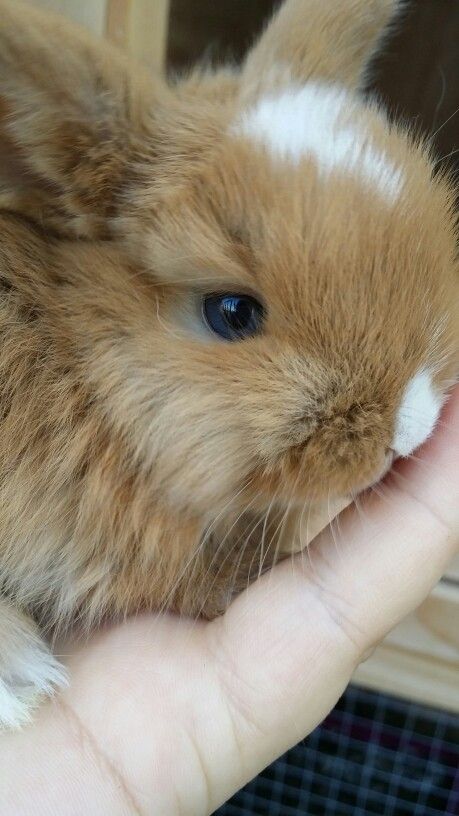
(226, 301)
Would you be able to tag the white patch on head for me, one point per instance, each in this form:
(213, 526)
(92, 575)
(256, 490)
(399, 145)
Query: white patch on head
(327, 124)
(417, 415)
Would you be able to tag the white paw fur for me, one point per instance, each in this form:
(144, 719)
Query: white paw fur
(28, 670)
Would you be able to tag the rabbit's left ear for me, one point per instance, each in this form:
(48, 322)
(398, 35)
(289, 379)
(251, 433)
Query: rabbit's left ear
(75, 122)
(325, 40)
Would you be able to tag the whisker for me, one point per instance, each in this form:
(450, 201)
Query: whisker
(446, 156)
(277, 536)
(387, 495)
(383, 493)
(305, 541)
(166, 328)
(263, 534)
(309, 549)
(332, 530)
(249, 570)
(228, 554)
(433, 135)
(363, 518)
(281, 527)
(442, 96)
(403, 480)
(196, 553)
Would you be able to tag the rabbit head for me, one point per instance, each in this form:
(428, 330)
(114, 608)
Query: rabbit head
(249, 298)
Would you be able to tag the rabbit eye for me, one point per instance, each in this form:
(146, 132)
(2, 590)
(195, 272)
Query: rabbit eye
(231, 316)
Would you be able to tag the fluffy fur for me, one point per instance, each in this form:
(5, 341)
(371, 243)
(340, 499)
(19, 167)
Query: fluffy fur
(417, 415)
(326, 124)
(143, 462)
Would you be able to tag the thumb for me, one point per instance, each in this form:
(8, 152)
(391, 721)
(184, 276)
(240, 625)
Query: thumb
(288, 647)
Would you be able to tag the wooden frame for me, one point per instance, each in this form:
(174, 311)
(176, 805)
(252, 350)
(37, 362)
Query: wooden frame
(138, 26)
(89, 13)
(419, 660)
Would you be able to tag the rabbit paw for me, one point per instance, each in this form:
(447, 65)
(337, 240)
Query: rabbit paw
(28, 672)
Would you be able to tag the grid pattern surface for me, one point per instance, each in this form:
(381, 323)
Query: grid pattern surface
(374, 754)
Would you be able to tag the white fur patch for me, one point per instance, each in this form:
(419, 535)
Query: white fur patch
(36, 674)
(28, 670)
(417, 415)
(325, 123)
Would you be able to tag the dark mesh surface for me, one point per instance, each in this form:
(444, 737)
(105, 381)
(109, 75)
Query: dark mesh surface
(374, 754)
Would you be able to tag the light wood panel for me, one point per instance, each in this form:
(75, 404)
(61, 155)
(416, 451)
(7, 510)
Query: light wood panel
(89, 13)
(419, 660)
(139, 27)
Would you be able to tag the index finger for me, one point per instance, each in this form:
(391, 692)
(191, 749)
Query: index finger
(294, 639)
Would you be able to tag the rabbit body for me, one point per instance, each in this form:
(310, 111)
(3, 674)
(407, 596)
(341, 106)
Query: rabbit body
(145, 462)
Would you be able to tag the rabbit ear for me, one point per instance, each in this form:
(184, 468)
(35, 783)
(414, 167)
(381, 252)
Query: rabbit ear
(74, 119)
(330, 40)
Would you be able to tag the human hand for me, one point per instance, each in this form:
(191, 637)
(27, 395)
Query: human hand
(167, 716)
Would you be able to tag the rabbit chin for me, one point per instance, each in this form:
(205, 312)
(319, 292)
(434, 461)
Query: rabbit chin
(388, 462)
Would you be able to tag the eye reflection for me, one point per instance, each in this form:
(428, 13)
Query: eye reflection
(232, 316)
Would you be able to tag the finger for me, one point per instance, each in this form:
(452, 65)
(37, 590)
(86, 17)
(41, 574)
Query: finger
(397, 547)
(288, 647)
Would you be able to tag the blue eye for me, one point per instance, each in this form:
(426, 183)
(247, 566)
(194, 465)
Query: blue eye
(232, 317)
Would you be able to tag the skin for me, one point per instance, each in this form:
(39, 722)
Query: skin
(170, 717)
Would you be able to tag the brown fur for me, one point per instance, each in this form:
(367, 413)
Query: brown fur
(143, 463)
